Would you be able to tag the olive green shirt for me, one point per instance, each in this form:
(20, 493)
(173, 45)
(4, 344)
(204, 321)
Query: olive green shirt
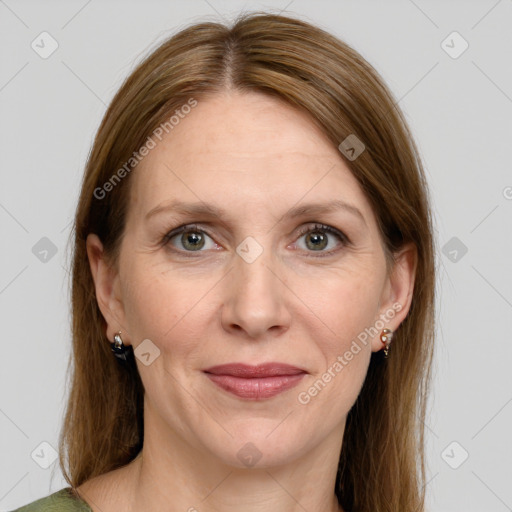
(60, 501)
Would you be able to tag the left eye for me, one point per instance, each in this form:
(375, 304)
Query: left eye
(193, 239)
(317, 237)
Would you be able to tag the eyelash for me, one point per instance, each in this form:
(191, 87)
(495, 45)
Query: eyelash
(304, 231)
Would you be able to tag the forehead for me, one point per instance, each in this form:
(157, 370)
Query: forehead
(242, 149)
(246, 123)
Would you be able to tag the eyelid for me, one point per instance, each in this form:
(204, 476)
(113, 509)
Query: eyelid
(324, 227)
(183, 229)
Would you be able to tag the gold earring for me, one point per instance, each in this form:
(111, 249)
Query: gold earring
(386, 336)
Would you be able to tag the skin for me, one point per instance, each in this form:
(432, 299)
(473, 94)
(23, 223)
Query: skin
(257, 158)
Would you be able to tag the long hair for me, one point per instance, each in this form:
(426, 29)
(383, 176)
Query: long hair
(382, 462)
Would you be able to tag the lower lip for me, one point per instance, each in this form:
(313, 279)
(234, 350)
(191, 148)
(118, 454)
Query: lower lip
(257, 388)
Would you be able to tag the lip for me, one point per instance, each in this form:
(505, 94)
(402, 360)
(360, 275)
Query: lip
(255, 382)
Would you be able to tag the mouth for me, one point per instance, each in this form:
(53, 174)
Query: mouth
(255, 382)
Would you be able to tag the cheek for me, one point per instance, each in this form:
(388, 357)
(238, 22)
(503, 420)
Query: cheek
(346, 305)
(347, 312)
(153, 303)
(169, 308)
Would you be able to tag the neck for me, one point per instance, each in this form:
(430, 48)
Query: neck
(181, 477)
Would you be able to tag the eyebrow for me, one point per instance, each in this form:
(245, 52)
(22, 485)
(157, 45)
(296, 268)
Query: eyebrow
(205, 209)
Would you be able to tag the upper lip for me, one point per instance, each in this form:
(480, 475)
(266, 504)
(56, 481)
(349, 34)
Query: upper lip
(249, 371)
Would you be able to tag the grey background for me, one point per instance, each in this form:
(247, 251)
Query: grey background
(460, 110)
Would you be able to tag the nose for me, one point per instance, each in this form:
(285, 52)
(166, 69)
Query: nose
(255, 301)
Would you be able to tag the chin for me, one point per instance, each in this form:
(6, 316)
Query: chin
(259, 448)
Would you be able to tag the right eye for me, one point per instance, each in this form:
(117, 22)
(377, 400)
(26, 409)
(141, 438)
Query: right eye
(189, 238)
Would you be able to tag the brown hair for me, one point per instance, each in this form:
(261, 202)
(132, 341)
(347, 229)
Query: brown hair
(382, 466)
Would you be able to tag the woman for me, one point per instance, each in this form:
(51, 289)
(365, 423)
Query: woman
(253, 284)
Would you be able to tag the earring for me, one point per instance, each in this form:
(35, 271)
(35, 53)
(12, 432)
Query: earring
(386, 336)
(118, 348)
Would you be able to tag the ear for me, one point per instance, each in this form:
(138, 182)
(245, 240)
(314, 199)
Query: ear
(106, 283)
(398, 290)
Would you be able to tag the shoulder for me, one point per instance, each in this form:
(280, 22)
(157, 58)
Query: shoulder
(61, 501)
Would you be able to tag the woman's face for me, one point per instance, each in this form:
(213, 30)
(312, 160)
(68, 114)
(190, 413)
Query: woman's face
(257, 279)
